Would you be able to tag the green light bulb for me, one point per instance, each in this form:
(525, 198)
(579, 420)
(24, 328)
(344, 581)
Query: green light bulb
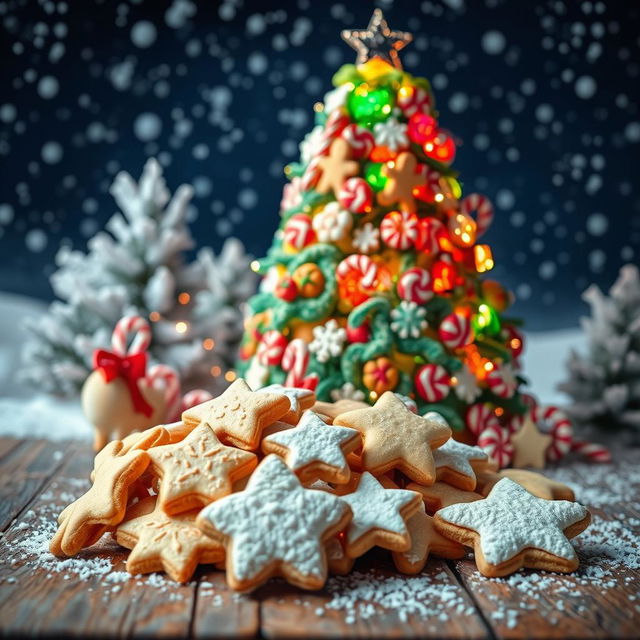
(486, 321)
(374, 176)
(368, 106)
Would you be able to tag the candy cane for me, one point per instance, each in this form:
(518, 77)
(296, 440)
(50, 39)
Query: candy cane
(295, 361)
(127, 326)
(591, 450)
(193, 398)
(561, 430)
(169, 378)
(483, 208)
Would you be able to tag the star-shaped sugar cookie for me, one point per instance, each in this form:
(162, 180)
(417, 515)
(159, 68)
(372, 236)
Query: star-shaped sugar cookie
(511, 529)
(454, 464)
(84, 521)
(530, 446)
(539, 485)
(336, 167)
(239, 415)
(333, 409)
(396, 438)
(403, 176)
(440, 494)
(197, 470)
(379, 517)
(424, 540)
(275, 527)
(161, 542)
(315, 450)
(300, 400)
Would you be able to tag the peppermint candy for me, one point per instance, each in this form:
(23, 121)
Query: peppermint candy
(360, 140)
(295, 361)
(162, 376)
(480, 417)
(432, 382)
(362, 265)
(193, 398)
(502, 381)
(427, 235)
(399, 229)
(414, 285)
(298, 231)
(413, 100)
(560, 430)
(496, 442)
(332, 223)
(366, 238)
(591, 450)
(356, 195)
(391, 134)
(455, 331)
(483, 209)
(271, 348)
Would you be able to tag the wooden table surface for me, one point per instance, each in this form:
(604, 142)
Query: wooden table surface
(90, 594)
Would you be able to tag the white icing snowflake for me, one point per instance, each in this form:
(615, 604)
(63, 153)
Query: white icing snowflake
(291, 194)
(328, 341)
(408, 319)
(256, 375)
(366, 238)
(466, 385)
(336, 98)
(311, 144)
(348, 391)
(391, 134)
(333, 223)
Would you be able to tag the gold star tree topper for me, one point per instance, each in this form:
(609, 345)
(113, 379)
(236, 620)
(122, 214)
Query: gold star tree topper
(377, 41)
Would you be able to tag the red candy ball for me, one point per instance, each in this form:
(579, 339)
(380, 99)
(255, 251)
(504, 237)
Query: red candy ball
(358, 334)
(421, 127)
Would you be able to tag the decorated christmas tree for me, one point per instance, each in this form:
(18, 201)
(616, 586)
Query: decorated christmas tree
(604, 382)
(137, 266)
(375, 278)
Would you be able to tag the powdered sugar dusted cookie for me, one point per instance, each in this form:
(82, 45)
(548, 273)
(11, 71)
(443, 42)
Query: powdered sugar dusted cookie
(161, 542)
(84, 521)
(440, 494)
(511, 529)
(424, 540)
(275, 527)
(379, 517)
(454, 463)
(314, 449)
(340, 564)
(539, 485)
(300, 400)
(239, 415)
(197, 470)
(396, 438)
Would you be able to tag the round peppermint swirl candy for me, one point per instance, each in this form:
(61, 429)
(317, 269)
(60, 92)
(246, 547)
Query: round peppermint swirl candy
(455, 331)
(356, 195)
(399, 229)
(271, 348)
(496, 442)
(414, 285)
(432, 382)
(298, 231)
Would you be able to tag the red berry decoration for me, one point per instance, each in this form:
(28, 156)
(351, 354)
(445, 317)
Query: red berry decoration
(358, 334)
(421, 127)
(286, 289)
(455, 331)
(432, 382)
(441, 147)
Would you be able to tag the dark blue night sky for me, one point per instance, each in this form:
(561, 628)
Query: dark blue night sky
(543, 97)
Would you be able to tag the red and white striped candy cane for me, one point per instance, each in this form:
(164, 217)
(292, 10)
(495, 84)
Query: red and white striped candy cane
(336, 122)
(295, 361)
(362, 264)
(483, 208)
(124, 329)
(560, 430)
(193, 398)
(161, 376)
(591, 450)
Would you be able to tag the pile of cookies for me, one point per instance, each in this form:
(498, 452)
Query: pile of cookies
(272, 483)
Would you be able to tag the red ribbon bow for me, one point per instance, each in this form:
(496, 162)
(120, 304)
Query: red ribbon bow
(130, 368)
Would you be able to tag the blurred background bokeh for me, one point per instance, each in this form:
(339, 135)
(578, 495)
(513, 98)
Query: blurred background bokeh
(542, 97)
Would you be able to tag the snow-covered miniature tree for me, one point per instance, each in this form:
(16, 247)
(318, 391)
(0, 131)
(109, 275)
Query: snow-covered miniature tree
(604, 383)
(137, 265)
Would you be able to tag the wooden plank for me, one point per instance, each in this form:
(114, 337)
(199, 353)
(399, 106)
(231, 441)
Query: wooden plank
(23, 471)
(430, 604)
(222, 613)
(43, 595)
(537, 604)
(6, 445)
